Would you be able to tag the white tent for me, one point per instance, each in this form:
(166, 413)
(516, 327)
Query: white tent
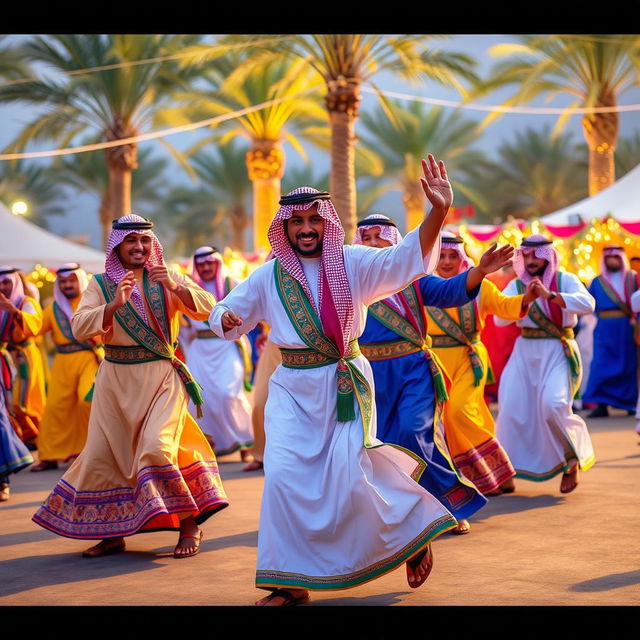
(24, 244)
(621, 201)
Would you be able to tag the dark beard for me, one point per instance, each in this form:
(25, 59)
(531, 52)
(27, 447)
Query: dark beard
(304, 253)
(614, 269)
(538, 273)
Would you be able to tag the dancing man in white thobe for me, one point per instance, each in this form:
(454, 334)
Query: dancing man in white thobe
(339, 507)
(536, 424)
(221, 367)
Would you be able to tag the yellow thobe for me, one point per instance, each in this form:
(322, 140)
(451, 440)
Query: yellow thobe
(29, 395)
(63, 431)
(469, 425)
(146, 463)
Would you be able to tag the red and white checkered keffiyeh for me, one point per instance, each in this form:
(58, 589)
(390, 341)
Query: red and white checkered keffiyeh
(465, 261)
(114, 268)
(215, 286)
(83, 281)
(17, 293)
(546, 252)
(606, 274)
(387, 232)
(332, 269)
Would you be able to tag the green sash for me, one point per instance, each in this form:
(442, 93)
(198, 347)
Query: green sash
(391, 319)
(129, 319)
(542, 320)
(464, 335)
(612, 294)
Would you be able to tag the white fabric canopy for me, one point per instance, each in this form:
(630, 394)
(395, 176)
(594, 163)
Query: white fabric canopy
(24, 244)
(621, 201)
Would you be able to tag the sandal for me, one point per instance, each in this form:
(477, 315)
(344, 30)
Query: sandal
(4, 492)
(415, 562)
(571, 473)
(289, 599)
(254, 465)
(462, 528)
(103, 548)
(197, 538)
(44, 465)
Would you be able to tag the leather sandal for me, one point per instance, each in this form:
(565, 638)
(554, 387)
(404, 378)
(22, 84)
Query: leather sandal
(415, 562)
(44, 465)
(254, 465)
(197, 538)
(462, 528)
(289, 599)
(103, 549)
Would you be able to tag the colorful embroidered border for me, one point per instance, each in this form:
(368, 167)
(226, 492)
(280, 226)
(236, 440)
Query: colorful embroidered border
(15, 465)
(487, 465)
(65, 329)
(71, 348)
(129, 355)
(276, 579)
(123, 511)
(445, 342)
(612, 294)
(205, 334)
(388, 350)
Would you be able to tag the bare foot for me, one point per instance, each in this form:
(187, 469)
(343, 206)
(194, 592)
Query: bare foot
(569, 480)
(245, 455)
(4, 492)
(105, 548)
(462, 528)
(508, 486)
(419, 567)
(189, 539)
(254, 465)
(284, 598)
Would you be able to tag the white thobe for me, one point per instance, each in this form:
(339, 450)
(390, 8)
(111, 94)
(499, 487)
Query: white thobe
(536, 424)
(334, 514)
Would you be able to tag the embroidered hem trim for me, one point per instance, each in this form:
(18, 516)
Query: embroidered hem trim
(487, 465)
(584, 465)
(268, 579)
(387, 350)
(123, 511)
(15, 465)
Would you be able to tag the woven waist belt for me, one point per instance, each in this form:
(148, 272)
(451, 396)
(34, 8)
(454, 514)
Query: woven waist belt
(537, 334)
(205, 333)
(612, 313)
(395, 349)
(129, 355)
(310, 358)
(447, 341)
(71, 348)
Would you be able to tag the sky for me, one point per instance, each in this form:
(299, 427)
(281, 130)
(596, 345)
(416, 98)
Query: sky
(81, 215)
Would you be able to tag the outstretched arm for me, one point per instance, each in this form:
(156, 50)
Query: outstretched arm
(437, 188)
(491, 260)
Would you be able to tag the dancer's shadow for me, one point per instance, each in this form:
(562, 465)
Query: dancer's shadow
(607, 583)
(515, 503)
(381, 599)
(26, 537)
(233, 471)
(605, 463)
(32, 572)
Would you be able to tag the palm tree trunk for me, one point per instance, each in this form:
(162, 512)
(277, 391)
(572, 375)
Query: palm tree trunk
(120, 186)
(121, 161)
(342, 102)
(239, 224)
(106, 216)
(601, 133)
(265, 166)
(414, 205)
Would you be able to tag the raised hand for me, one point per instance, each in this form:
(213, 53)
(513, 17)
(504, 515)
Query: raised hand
(435, 183)
(160, 273)
(493, 259)
(6, 304)
(124, 289)
(230, 320)
(531, 292)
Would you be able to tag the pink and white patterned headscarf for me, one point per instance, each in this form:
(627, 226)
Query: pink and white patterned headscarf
(447, 243)
(334, 295)
(17, 294)
(545, 251)
(388, 229)
(215, 286)
(626, 267)
(83, 281)
(114, 268)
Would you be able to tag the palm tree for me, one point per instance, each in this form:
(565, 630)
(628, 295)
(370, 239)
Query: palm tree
(114, 104)
(88, 172)
(414, 131)
(344, 63)
(229, 85)
(12, 64)
(224, 176)
(305, 176)
(534, 175)
(595, 69)
(38, 186)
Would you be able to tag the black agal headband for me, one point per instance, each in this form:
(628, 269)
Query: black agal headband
(452, 239)
(377, 222)
(535, 243)
(133, 226)
(303, 198)
(6, 272)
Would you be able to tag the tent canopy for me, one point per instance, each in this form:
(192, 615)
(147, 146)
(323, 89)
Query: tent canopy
(621, 201)
(24, 244)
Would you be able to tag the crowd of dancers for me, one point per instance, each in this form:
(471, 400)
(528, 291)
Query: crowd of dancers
(354, 375)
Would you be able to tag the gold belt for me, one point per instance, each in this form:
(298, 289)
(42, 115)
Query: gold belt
(612, 313)
(394, 349)
(205, 333)
(129, 355)
(535, 334)
(310, 358)
(444, 340)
